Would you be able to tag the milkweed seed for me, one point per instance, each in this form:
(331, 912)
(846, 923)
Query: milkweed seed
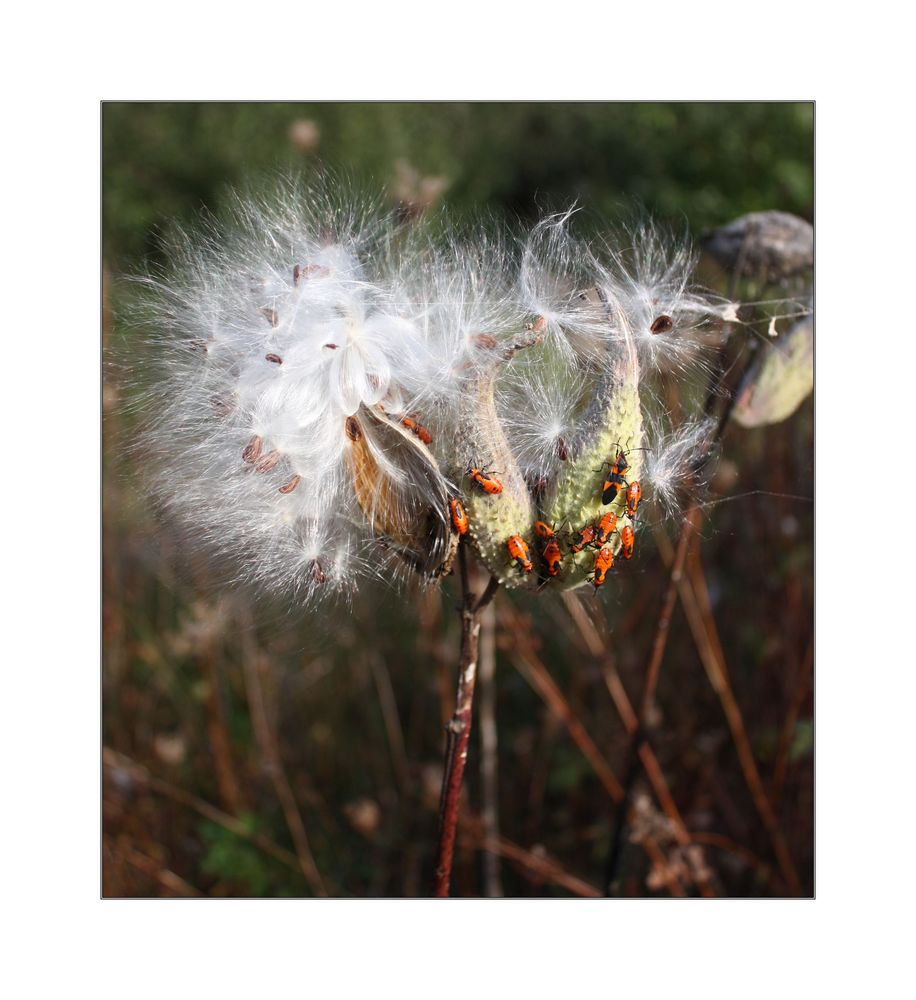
(272, 316)
(562, 450)
(354, 431)
(316, 572)
(253, 450)
(291, 485)
(268, 462)
(662, 324)
(275, 358)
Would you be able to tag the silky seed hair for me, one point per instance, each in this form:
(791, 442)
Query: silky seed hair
(321, 378)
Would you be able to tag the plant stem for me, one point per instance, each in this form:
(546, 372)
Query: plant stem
(459, 727)
(489, 769)
(653, 669)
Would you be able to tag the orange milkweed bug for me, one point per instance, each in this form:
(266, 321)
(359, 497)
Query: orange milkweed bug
(418, 429)
(543, 530)
(605, 528)
(553, 557)
(518, 550)
(627, 541)
(612, 487)
(586, 537)
(634, 495)
(603, 562)
(616, 478)
(486, 481)
(459, 517)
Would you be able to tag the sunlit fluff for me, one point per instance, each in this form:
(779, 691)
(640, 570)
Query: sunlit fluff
(315, 367)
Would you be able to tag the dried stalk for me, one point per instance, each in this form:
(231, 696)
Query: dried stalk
(595, 646)
(707, 640)
(459, 727)
(115, 762)
(653, 670)
(489, 766)
(252, 664)
(536, 674)
(541, 867)
(788, 730)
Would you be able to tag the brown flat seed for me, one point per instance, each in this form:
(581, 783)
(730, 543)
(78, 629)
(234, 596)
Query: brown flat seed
(317, 572)
(275, 358)
(252, 451)
(268, 461)
(562, 450)
(296, 273)
(291, 485)
(662, 324)
(272, 316)
(354, 431)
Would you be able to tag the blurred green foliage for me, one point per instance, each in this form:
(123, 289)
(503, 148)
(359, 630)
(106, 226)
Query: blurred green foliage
(703, 162)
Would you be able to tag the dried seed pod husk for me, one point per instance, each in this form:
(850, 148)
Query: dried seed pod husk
(780, 380)
(769, 246)
(398, 486)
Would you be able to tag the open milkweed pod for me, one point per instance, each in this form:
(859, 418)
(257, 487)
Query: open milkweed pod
(400, 489)
(780, 380)
(495, 518)
(612, 422)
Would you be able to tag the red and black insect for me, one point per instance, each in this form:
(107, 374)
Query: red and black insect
(417, 428)
(458, 515)
(603, 562)
(616, 478)
(627, 541)
(586, 537)
(518, 550)
(605, 529)
(613, 484)
(553, 557)
(485, 480)
(634, 495)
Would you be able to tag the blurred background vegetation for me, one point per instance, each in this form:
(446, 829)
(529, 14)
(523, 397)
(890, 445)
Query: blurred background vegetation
(248, 747)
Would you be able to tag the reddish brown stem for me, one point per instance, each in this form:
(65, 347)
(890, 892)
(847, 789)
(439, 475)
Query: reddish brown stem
(459, 727)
